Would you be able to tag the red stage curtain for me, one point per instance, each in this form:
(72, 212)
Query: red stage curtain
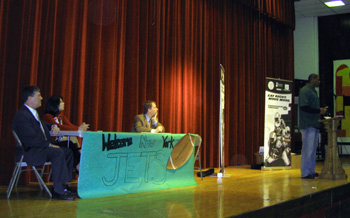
(106, 57)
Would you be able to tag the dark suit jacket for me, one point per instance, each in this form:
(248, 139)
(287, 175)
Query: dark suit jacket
(30, 133)
(140, 124)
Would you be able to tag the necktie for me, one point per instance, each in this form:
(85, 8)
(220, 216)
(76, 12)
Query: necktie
(41, 125)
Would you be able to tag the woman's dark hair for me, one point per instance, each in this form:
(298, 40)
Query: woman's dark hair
(52, 105)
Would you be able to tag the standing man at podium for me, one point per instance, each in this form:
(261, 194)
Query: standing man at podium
(310, 112)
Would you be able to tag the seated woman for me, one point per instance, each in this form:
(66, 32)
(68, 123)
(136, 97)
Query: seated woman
(53, 114)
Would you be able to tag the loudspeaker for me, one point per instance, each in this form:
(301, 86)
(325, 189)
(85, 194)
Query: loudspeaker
(298, 84)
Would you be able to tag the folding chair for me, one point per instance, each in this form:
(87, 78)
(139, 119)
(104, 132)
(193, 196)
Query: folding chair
(19, 169)
(197, 156)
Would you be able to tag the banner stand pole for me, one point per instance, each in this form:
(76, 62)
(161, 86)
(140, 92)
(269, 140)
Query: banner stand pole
(221, 173)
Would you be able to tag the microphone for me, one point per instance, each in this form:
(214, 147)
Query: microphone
(331, 92)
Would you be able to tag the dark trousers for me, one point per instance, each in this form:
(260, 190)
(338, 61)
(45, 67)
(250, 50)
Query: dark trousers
(74, 148)
(62, 164)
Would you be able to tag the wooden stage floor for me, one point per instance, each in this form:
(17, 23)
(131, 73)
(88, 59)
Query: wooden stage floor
(247, 193)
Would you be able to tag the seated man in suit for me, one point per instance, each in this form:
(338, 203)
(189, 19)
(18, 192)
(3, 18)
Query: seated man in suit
(148, 121)
(37, 146)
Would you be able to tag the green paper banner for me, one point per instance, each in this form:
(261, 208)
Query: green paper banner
(115, 163)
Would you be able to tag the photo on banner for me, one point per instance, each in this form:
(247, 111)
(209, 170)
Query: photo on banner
(278, 121)
(341, 96)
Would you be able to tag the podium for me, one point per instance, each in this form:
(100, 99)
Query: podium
(332, 168)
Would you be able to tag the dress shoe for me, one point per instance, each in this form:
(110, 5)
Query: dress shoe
(315, 175)
(310, 176)
(65, 196)
(69, 191)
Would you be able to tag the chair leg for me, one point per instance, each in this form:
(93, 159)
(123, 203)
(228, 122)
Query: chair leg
(38, 176)
(15, 177)
(19, 174)
(43, 172)
(200, 167)
(13, 180)
(198, 157)
(50, 173)
(41, 182)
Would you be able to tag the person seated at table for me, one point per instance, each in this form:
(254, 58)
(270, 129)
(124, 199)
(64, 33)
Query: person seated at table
(53, 114)
(148, 121)
(37, 146)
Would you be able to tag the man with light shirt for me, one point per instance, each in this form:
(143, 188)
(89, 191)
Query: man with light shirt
(148, 121)
(37, 147)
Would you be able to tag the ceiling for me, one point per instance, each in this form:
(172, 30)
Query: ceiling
(317, 8)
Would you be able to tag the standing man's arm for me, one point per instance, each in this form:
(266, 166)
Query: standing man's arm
(311, 110)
